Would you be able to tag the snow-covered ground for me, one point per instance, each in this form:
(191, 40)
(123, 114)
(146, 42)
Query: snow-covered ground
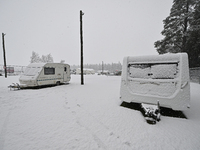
(76, 116)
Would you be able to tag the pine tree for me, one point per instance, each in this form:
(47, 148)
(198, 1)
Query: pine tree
(176, 27)
(182, 31)
(193, 42)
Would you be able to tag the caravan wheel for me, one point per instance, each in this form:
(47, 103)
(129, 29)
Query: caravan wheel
(58, 83)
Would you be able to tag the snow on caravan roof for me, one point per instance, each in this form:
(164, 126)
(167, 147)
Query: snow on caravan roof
(154, 58)
(36, 64)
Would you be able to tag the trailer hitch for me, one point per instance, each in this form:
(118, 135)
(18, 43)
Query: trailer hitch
(151, 112)
(14, 86)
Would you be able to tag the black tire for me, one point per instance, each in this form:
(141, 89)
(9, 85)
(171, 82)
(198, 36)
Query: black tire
(58, 83)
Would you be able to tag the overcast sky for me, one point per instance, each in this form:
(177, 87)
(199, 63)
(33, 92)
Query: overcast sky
(112, 29)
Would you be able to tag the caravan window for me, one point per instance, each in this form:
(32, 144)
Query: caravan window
(154, 71)
(49, 71)
(139, 71)
(65, 68)
(164, 71)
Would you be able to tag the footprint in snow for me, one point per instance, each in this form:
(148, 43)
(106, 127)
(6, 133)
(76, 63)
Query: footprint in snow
(127, 143)
(111, 133)
(73, 112)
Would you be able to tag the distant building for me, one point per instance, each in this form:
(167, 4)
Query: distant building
(118, 73)
(104, 72)
(85, 71)
(10, 69)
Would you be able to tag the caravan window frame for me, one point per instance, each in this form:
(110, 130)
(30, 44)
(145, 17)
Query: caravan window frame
(49, 71)
(147, 70)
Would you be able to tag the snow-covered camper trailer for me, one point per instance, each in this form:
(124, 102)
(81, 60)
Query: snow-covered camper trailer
(163, 78)
(40, 74)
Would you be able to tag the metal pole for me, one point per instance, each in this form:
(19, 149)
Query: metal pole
(4, 54)
(81, 36)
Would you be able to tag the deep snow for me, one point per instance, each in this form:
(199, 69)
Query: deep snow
(76, 116)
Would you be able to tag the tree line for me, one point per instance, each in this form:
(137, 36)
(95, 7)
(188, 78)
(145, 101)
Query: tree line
(35, 58)
(110, 67)
(182, 31)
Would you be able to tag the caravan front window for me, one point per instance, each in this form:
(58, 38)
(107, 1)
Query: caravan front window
(49, 71)
(32, 71)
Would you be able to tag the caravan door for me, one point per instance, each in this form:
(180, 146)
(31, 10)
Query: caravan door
(65, 74)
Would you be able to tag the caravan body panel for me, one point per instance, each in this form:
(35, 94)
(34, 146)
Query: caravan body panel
(163, 78)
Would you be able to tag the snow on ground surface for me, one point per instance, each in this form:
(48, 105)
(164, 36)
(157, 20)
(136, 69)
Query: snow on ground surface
(76, 116)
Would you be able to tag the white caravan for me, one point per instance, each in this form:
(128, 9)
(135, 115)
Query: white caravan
(40, 74)
(163, 78)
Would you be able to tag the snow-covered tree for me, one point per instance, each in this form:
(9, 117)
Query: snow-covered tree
(47, 58)
(43, 58)
(35, 57)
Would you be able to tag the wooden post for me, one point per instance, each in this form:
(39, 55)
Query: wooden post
(81, 37)
(4, 55)
(102, 68)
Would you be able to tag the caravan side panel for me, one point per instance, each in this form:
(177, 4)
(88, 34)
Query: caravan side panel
(54, 73)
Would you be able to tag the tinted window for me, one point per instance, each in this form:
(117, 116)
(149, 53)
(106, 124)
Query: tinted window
(49, 71)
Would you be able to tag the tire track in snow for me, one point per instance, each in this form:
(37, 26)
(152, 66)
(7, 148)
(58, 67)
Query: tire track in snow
(95, 137)
(3, 131)
(102, 134)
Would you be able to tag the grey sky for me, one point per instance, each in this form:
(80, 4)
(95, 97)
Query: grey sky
(112, 29)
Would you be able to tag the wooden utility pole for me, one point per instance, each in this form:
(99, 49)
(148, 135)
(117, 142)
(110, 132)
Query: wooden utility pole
(102, 68)
(4, 55)
(81, 37)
